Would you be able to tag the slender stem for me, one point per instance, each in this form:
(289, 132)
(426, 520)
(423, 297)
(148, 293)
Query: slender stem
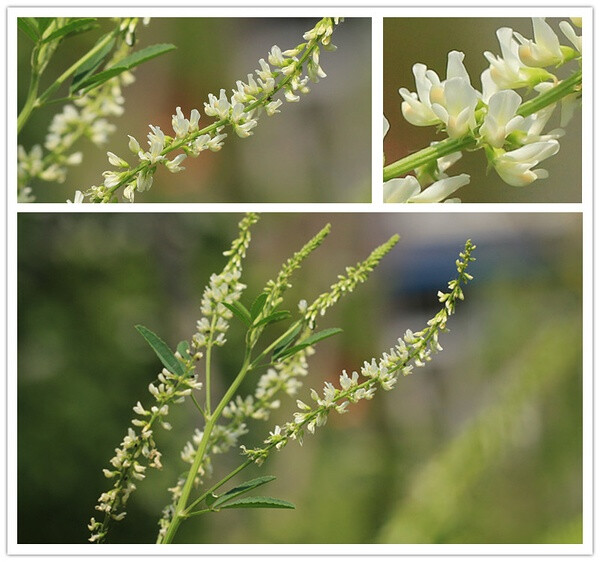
(448, 146)
(30, 101)
(200, 512)
(443, 148)
(180, 509)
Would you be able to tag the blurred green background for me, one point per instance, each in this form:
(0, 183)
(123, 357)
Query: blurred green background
(483, 445)
(428, 41)
(316, 150)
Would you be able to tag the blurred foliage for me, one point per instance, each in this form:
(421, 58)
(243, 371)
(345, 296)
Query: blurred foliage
(484, 445)
(312, 151)
(472, 36)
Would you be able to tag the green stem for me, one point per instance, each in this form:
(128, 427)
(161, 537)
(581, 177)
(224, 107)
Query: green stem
(181, 507)
(30, 102)
(448, 146)
(426, 155)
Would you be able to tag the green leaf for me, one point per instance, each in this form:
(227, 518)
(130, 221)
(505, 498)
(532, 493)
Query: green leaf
(240, 311)
(258, 305)
(74, 26)
(30, 27)
(311, 340)
(242, 489)
(89, 66)
(183, 348)
(275, 317)
(285, 342)
(161, 349)
(259, 502)
(124, 64)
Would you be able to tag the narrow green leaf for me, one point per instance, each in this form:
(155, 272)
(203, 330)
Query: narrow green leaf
(259, 502)
(88, 67)
(275, 317)
(183, 347)
(30, 27)
(284, 343)
(242, 489)
(258, 305)
(124, 64)
(161, 349)
(240, 311)
(74, 26)
(311, 340)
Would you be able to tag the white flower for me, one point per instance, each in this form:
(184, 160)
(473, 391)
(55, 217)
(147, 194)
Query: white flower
(173, 166)
(416, 107)
(78, 198)
(545, 50)
(181, 125)
(116, 160)
(408, 189)
(217, 107)
(458, 112)
(501, 118)
(156, 140)
(507, 71)
(570, 34)
(515, 167)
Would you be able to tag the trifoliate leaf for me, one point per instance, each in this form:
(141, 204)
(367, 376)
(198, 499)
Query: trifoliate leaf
(161, 349)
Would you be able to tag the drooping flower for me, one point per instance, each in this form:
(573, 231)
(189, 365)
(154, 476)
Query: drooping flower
(515, 167)
(544, 50)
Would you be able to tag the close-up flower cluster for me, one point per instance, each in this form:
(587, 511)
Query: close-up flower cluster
(506, 117)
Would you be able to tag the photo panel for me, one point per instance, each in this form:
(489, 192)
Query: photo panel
(194, 109)
(471, 435)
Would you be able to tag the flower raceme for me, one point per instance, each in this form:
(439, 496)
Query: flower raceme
(414, 349)
(496, 118)
(289, 71)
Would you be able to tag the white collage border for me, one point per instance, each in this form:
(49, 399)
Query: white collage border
(270, 9)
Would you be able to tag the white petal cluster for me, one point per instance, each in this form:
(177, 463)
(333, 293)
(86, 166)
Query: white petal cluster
(138, 444)
(514, 144)
(240, 110)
